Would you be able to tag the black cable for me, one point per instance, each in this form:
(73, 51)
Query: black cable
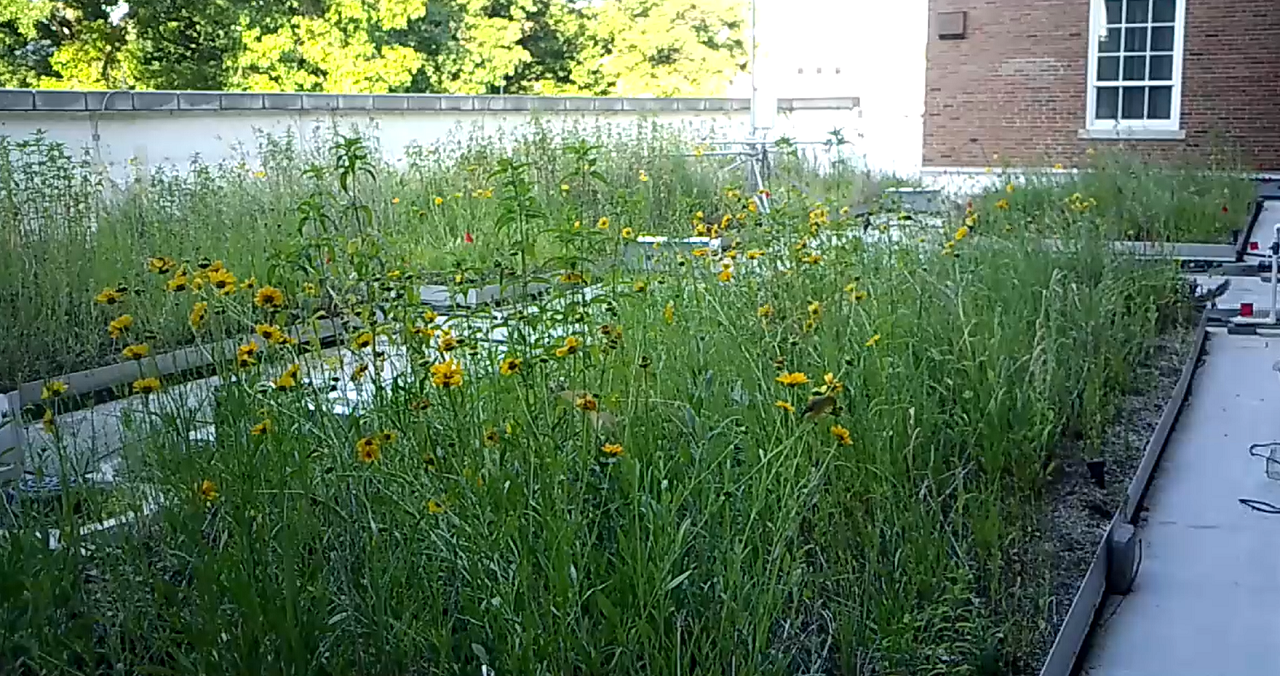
(1260, 506)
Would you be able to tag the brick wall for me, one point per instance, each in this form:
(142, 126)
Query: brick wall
(1016, 85)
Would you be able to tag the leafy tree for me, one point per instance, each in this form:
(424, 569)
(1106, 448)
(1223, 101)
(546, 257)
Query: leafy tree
(628, 47)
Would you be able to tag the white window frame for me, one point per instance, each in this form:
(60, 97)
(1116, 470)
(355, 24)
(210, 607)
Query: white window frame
(1119, 128)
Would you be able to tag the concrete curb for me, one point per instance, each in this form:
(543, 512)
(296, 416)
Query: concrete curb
(1078, 624)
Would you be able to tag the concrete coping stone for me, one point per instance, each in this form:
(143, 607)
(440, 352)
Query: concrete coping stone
(57, 100)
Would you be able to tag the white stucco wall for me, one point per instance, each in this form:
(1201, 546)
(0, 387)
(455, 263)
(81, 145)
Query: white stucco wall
(172, 137)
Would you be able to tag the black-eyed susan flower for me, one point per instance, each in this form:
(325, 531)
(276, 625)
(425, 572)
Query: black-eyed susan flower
(135, 352)
(1009, 188)
(644, 177)
(509, 366)
(160, 265)
(612, 450)
(179, 282)
(872, 341)
(363, 340)
(842, 435)
(571, 278)
(246, 355)
(249, 283)
(628, 233)
(272, 334)
(640, 286)
(669, 312)
(222, 280)
(815, 309)
(48, 422)
(446, 374)
(726, 275)
(603, 223)
(753, 254)
(146, 385)
(388, 437)
(701, 252)
(831, 385)
(116, 329)
(792, 379)
(447, 342)
(395, 200)
(434, 506)
(570, 346)
(491, 437)
(437, 200)
(53, 389)
(207, 490)
(811, 259)
(199, 312)
(1002, 205)
(420, 404)
(786, 406)
(269, 297)
(289, 379)
(110, 296)
(358, 373)
(368, 450)
(764, 311)
(261, 428)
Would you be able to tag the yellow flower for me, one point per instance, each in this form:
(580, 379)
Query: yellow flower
(288, 379)
(1090, 152)
(830, 384)
(698, 150)
(446, 374)
(586, 402)
(160, 265)
(785, 406)
(358, 373)
(754, 254)
(872, 341)
(815, 309)
(509, 366)
(640, 286)
(198, 313)
(429, 316)
(447, 342)
(146, 385)
(491, 437)
(368, 450)
(363, 340)
(1057, 167)
(792, 379)
(388, 437)
(310, 289)
(669, 312)
(812, 259)
(842, 435)
(844, 211)
(269, 297)
(726, 275)
(1009, 188)
(564, 187)
(603, 223)
(207, 490)
(196, 284)
(434, 506)
(119, 325)
(962, 232)
(701, 251)
(700, 229)
(644, 178)
(53, 389)
(612, 450)
(136, 351)
(571, 345)
(222, 280)
(751, 206)
(437, 201)
(395, 200)
(272, 333)
(47, 421)
(764, 311)
(572, 278)
(249, 283)
(245, 355)
(628, 233)
(1002, 205)
(261, 428)
(110, 296)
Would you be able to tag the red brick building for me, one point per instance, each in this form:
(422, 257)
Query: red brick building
(1039, 81)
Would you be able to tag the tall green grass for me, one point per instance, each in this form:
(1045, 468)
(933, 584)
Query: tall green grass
(730, 535)
(68, 231)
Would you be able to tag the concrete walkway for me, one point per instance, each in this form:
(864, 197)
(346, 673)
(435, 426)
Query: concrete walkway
(1207, 598)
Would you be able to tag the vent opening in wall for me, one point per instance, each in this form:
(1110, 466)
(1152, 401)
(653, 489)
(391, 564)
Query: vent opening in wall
(951, 25)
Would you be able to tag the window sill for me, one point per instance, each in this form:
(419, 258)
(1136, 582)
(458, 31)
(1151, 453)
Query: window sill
(1123, 134)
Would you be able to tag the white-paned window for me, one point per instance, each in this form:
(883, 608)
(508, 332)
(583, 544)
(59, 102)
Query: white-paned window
(1135, 64)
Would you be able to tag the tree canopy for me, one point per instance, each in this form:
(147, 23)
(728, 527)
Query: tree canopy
(589, 47)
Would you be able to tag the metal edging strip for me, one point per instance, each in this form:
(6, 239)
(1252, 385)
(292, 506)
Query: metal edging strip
(1078, 624)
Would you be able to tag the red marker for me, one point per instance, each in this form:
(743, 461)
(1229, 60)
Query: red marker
(469, 239)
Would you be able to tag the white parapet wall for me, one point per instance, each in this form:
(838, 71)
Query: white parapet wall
(122, 128)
